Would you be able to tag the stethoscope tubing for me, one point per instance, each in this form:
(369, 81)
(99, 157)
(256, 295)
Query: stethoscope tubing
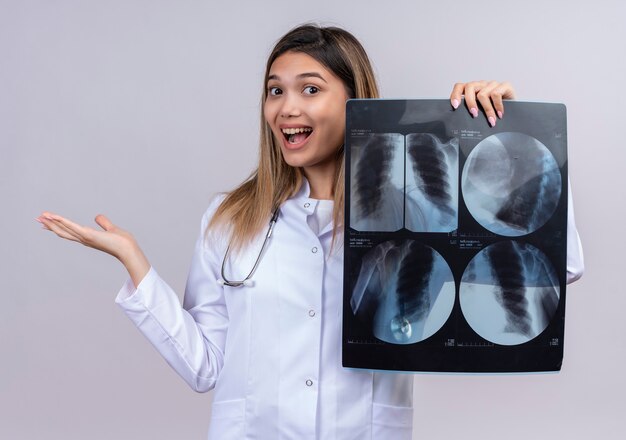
(224, 281)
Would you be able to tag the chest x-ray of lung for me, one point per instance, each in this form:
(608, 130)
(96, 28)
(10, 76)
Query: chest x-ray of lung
(509, 292)
(404, 181)
(404, 291)
(455, 239)
(431, 183)
(511, 183)
(377, 183)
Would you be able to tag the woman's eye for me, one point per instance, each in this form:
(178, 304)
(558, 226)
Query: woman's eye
(274, 91)
(311, 90)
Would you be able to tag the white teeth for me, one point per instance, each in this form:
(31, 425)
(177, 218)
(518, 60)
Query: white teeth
(296, 130)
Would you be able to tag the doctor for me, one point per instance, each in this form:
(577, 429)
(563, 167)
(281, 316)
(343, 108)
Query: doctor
(267, 337)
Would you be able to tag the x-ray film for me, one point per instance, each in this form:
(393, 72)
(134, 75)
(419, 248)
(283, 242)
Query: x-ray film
(511, 183)
(404, 291)
(377, 185)
(509, 292)
(455, 238)
(431, 183)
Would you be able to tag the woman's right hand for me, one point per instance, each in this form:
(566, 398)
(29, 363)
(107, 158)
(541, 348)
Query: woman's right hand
(488, 93)
(112, 240)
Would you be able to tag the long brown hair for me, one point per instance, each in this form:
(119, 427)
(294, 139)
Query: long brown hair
(246, 209)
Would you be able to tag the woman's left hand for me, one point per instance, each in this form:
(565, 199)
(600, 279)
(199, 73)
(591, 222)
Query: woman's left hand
(488, 93)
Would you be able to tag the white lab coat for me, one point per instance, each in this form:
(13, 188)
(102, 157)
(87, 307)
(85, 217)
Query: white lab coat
(272, 351)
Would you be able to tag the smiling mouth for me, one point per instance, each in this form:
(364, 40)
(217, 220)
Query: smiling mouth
(296, 135)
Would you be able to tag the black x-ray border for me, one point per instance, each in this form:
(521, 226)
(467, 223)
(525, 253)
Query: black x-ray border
(456, 346)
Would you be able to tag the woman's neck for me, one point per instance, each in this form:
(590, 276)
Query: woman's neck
(320, 182)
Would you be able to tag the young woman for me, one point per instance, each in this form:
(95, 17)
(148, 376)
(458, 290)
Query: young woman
(267, 337)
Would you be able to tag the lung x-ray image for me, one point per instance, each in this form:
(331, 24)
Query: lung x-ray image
(455, 238)
(404, 292)
(432, 183)
(511, 184)
(377, 183)
(402, 181)
(509, 292)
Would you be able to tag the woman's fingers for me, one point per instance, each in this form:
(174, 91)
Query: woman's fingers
(67, 229)
(53, 226)
(104, 222)
(491, 98)
(68, 226)
(470, 91)
(457, 95)
(112, 240)
(485, 96)
(503, 91)
(489, 94)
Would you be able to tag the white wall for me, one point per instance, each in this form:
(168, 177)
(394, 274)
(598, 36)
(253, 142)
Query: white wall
(142, 109)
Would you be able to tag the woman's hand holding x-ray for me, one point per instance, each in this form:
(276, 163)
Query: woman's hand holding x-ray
(488, 93)
(112, 240)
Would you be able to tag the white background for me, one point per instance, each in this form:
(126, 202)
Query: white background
(143, 109)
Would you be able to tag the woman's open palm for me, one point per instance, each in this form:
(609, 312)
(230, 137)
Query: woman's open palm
(112, 240)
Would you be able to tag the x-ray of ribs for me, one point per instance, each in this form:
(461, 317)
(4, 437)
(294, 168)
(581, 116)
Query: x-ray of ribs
(398, 285)
(508, 273)
(372, 172)
(412, 285)
(376, 204)
(511, 184)
(509, 292)
(548, 302)
(435, 182)
(529, 206)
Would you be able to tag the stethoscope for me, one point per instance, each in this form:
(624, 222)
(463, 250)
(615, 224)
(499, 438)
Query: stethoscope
(247, 281)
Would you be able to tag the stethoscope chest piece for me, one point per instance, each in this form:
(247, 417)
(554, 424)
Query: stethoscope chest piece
(246, 283)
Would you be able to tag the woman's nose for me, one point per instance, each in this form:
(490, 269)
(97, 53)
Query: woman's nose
(291, 107)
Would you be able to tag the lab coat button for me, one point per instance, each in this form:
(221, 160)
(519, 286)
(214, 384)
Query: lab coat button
(311, 313)
(307, 204)
(309, 382)
(314, 250)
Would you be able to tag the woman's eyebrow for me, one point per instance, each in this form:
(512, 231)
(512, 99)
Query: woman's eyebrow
(300, 76)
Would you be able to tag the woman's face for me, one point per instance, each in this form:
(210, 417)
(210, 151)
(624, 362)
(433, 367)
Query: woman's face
(306, 110)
